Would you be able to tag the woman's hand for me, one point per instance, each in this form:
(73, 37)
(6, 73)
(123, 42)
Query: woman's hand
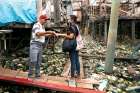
(70, 36)
(62, 35)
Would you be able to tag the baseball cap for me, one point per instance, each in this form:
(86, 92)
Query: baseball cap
(43, 17)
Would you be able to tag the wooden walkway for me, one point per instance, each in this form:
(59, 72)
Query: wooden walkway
(49, 82)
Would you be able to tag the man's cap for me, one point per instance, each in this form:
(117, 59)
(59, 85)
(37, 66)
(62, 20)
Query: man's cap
(43, 17)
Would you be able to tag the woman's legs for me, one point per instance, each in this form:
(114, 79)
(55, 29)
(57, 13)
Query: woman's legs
(75, 65)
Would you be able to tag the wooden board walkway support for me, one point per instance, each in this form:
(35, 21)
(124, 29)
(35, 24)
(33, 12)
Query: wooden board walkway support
(133, 31)
(48, 82)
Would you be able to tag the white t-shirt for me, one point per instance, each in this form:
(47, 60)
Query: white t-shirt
(38, 28)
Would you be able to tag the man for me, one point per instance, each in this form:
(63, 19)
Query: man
(36, 46)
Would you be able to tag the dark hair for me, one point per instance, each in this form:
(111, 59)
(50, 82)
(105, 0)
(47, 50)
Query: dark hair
(74, 18)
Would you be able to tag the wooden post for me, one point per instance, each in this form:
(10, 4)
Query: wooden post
(10, 41)
(100, 31)
(133, 30)
(112, 36)
(93, 30)
(56, 12)
(0, 47)
(133, 22)
(0, 51)
(105, 31)
(39, 8)
(133, 8)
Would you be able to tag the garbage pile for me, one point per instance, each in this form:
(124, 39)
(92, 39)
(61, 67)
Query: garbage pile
(125, 76)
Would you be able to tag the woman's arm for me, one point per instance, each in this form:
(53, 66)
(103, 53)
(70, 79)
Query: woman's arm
(70, 36)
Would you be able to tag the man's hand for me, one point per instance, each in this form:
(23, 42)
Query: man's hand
(54, 33)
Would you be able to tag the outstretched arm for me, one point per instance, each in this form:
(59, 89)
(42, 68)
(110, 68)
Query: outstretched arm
(45, 33)
(70, 36)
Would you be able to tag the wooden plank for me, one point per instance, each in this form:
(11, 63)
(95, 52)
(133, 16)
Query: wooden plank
(43, 78)
(66, 70)
(58, 87)
(20, 26)
(116, 58)
(50, 82)
(1, 70)
(22, 75)
(88, 81)
(8, 72)
(83, 85)
(72, 83)
(58, 82)
(57, 78)
(81, 68)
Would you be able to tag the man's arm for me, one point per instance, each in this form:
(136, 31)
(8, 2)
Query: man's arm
(44, 33)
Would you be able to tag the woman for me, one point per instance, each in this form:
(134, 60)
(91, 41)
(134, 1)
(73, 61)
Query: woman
(73, 53)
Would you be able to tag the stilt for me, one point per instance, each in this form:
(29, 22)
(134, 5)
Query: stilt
(105, 31)
(133, 31)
